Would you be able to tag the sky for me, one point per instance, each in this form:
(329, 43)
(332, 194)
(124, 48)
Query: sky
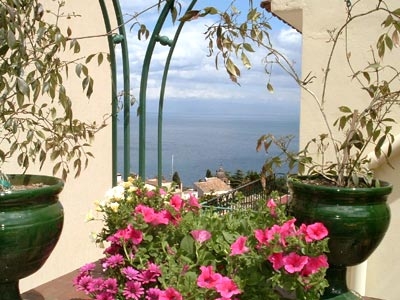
(193, 76)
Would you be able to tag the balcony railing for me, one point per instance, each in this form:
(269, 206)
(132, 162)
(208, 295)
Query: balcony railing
(248, 196)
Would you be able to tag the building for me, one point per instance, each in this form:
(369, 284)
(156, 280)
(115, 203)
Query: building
(211, 186)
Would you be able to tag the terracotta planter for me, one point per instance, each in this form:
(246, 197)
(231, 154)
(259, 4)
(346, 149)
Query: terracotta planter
(31, 222)
(357, 220)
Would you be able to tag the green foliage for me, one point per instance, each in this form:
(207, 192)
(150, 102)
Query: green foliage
(176, 178)
(37, 115)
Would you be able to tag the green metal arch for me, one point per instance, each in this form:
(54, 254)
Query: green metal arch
(112, 41)
(121, 39)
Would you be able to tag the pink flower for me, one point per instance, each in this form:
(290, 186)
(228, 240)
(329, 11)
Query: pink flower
(150, 194)
(95, 285)
(130, 234)
(277, 260)
(272, 206)
(133, 290)
(294, 263)
(239, 246)
(82, 283)
(113, 261)
(131, 273)
(316, 232)
(261, 236)
(152, 217)
(170, 294)
(87, 268)
(314, 264)
(226, 287)
(110, 285)
(176, 202)
(153, 294)
(207, 278)
(200, 235)
(151, 273)
(193, 202)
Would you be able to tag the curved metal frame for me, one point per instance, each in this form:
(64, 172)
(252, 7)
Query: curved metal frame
(112, 41)
(121, 38)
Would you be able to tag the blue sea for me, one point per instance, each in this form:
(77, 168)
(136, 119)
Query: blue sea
(198, 136)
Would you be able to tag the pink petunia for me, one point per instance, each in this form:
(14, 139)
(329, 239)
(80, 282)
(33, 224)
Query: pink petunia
(294, 263)
(176, 202)
(272, 207)
(239, 246)
(170, 294)
(193, 202)
(314, 264)
(316, 232)
(261, 237)
(207, 278)
(277, 260)
(150, 194)
(130, 234)
(200, 235)
(226, 287)
(153, 294)
(151, 273)
(150, 216)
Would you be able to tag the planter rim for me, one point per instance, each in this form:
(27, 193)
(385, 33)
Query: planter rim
(296, 181)
(51, 186)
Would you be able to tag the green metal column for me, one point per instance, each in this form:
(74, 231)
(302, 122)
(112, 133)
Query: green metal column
(114, 98)
(114, 39)
(143, 87)
(162, 94)
(127, 89)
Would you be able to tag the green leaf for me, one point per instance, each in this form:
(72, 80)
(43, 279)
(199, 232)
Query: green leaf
(22, 86)
(100, 59)
(270, 88)
(245, 60)
(344, 109)
(187, 244)
(11, 40)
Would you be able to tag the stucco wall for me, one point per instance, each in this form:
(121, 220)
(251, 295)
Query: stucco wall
(75, 248)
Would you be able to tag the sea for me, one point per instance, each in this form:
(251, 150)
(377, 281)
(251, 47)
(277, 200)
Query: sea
(198, 136)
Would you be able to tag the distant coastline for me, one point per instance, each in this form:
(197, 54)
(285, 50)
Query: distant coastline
(201, 136)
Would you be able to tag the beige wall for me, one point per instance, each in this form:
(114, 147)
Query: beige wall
(317, 17)
(75, 248)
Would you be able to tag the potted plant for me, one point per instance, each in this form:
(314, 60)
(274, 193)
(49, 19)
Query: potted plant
(337, 186)
(160, 246)
(37, 125)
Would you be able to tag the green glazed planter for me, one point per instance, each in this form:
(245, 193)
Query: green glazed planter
(357, 220)
(31, 222)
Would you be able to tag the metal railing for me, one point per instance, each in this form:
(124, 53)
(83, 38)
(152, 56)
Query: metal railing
(248, 196)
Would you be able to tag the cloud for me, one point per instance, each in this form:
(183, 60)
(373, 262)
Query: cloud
(193, 75)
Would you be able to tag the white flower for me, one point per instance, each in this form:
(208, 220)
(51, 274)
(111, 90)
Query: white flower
(89, 216)
(114, 206)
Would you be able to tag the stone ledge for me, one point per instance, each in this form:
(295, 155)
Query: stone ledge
(61, 288)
